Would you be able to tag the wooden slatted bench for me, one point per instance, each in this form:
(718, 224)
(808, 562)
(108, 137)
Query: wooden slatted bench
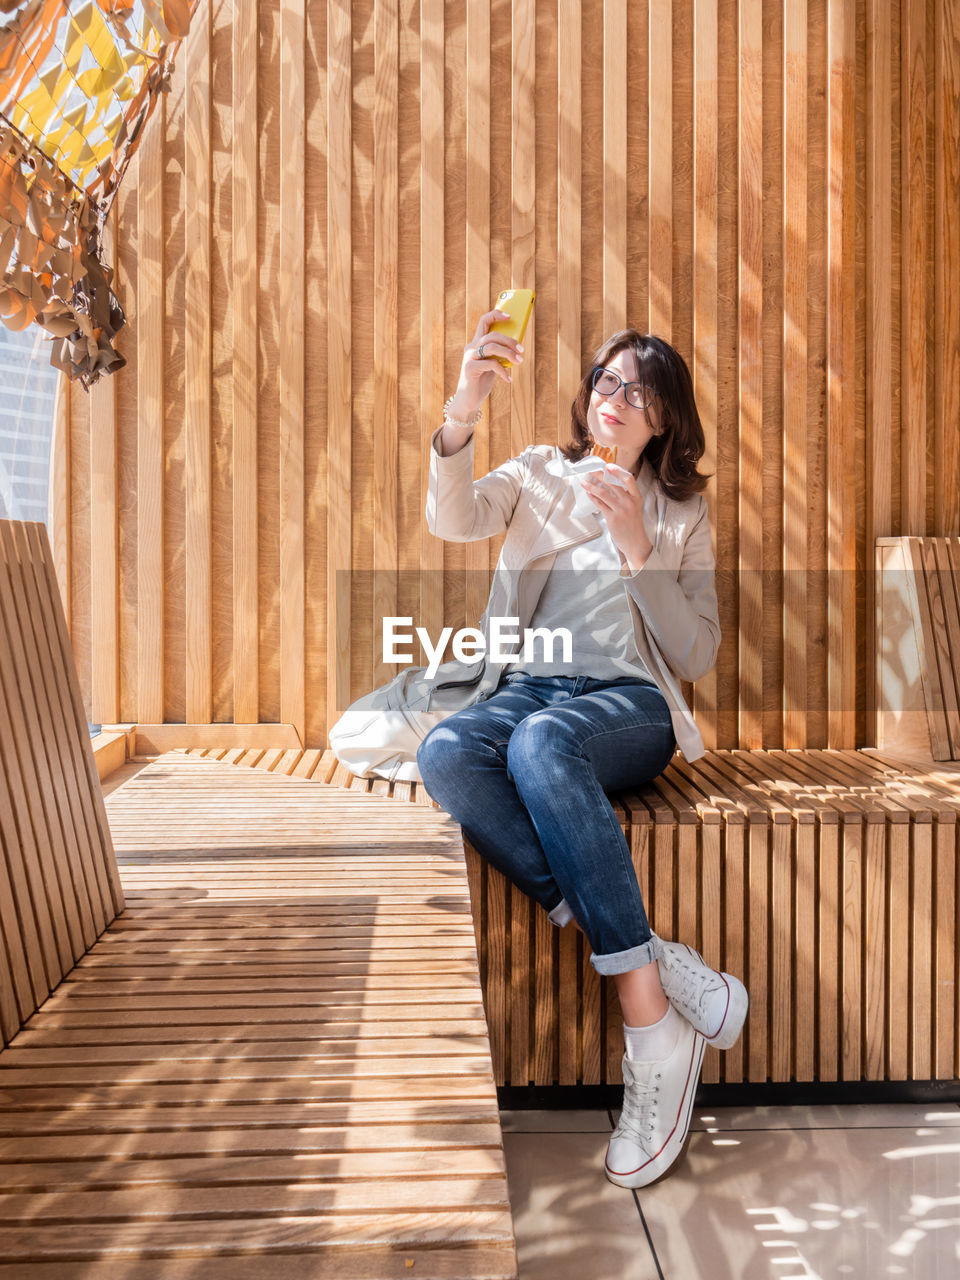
(807, 872)
(275, 1063)
(918, 646)
(59, 887)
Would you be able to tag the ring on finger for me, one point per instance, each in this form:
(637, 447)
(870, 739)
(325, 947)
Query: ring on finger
(480, 351)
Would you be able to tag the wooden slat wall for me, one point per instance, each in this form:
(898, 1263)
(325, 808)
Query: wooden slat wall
(198, 676)
(59, 887)
(338, 307)
(103, 540)
(773, 186)
(150, 484)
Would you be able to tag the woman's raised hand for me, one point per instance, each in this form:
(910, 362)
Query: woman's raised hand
(477, 372)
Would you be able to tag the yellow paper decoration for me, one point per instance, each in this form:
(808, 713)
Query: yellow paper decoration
(78, 81)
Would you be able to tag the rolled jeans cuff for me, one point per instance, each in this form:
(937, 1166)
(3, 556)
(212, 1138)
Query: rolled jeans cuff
(561, 913)
(623, 961)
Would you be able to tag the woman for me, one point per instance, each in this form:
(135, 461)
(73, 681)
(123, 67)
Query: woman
(525, 769)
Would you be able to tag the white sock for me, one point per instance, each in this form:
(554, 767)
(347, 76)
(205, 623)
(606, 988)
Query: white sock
(654, 1042)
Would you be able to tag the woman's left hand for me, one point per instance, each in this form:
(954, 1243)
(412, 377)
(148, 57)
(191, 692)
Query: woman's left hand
(622, 505)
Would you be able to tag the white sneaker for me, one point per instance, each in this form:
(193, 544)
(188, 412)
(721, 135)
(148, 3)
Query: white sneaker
(715, 1003)
(655, 1118)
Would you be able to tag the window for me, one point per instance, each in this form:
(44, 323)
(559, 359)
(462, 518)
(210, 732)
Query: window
(28, 391)
(28, 388)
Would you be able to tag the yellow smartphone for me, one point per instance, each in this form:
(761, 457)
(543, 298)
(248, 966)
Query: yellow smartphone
(518, 303)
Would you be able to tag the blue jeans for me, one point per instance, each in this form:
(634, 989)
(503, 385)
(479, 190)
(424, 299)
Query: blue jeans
(525, 773)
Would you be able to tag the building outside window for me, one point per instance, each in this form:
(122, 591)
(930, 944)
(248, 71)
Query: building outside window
(28, 392)
(28, 389)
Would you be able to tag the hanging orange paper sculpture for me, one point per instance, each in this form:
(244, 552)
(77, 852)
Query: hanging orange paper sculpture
(78, 82)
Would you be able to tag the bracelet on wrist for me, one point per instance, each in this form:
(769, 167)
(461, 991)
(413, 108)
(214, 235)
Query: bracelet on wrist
(458, 422)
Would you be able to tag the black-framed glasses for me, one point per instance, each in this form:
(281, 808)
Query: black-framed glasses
(638, 394)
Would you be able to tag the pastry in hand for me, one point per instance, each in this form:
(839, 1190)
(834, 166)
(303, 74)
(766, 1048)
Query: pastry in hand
(607, 453)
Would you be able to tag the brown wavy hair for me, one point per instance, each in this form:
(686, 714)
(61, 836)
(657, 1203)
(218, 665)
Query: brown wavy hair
(676, 450)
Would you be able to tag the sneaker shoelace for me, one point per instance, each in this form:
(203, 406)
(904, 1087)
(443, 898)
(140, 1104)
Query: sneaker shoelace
(693, 984)
(639, 1102)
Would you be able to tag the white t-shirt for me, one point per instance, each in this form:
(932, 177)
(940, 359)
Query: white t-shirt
(585, 593)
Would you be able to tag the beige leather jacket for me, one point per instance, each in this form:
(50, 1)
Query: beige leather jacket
(673, 596)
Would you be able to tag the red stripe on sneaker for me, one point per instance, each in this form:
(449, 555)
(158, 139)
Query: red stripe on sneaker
(713, 1035)
(625, 1173)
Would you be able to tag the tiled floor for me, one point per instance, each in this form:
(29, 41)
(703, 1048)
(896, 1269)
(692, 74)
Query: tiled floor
(856, 1193)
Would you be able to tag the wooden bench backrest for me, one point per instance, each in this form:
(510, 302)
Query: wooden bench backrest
(59, 886)
(918, 646)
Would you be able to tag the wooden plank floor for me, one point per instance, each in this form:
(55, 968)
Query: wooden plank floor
(275, 1063)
